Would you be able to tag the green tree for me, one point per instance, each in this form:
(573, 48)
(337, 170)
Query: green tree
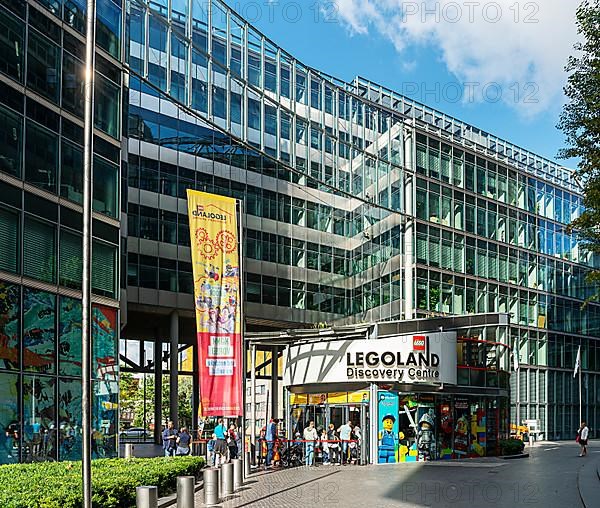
(580, 122)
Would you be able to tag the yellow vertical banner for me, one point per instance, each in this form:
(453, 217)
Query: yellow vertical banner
(216, 271)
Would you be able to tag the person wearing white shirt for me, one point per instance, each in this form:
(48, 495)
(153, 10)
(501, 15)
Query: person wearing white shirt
(310, 436)
(583, 433)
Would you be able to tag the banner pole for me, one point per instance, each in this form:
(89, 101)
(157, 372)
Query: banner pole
(240, 207)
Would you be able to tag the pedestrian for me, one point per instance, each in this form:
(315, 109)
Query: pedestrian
(334, 451)
(325, 447)
(270, 437)
(582, 438)
(310, 436)
(220, 445)
(232, 437)
(184, 440)
(210, 448)
(169, 438)
(345, 431)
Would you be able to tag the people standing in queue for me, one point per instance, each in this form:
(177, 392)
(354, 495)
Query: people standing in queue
(310, 436)
(345, 431)
(270, 437)
(169, 438)
(232, 437)
(334, 447)
(221, 444)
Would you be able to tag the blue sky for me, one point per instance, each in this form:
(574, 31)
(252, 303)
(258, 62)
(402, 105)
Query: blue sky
(498, 66)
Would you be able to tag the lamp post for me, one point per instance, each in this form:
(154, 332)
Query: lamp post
(88, 154)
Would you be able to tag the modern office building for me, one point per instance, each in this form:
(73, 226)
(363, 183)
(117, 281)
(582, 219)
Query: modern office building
(360, 205)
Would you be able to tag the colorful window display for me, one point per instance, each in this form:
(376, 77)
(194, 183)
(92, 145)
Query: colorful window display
(39, 418)
(69, 419)
(9, 418)
(418, 427)
(9, 325)
(69, 337)
(39, 331)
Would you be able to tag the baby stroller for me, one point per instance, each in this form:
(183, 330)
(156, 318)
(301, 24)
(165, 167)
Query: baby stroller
(291, 455)
(353, 452)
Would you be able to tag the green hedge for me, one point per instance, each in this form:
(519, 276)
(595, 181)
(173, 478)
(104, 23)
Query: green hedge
(58, 484)
(511, 446)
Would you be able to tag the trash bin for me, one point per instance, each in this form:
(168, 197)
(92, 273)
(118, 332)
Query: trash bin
(526, 437)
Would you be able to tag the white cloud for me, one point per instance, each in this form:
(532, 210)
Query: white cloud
(501, 41)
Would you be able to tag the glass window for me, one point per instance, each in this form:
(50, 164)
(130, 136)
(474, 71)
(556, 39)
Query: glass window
(103, 269)
(69, 337)
(11, 142)
(69, 419)
(108, 26)
(9, 233)
(39, 250)
(39, 415)
(71, 264)
(72, 84)
(11, 46)
(41, 157)
(9, 417)
(43, 66)
(105, 187)
(106, 106)
(71, 172)
(10, 297)
(39, 331)
(74, 14)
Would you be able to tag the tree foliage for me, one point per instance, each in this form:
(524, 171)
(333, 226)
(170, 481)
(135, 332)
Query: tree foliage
(580, 122)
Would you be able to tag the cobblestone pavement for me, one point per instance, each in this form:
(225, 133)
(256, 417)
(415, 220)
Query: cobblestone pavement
(546, 479)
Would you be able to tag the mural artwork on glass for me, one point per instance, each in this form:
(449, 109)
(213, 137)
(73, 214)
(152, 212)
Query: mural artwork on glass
(9, 418)
(69, 345)
(106, 388)
(39, 331)
(39, 423)
(9, 326)
(69, 419)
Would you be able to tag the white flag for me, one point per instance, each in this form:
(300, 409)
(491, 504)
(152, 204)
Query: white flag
(516, 357)
(577, 361)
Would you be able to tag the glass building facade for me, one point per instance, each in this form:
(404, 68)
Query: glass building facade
(360, 205)
(42, 46)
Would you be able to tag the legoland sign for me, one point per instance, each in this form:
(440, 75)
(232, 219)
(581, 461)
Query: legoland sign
(429, 359)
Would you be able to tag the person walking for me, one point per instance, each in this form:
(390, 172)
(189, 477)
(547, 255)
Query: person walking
(582, 438)
(183, 441)
(270, 437)
(169, 438)
(310, 436)
(220, 445)
(345, 431)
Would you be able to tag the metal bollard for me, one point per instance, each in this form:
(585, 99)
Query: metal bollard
(227, 479)
(129, 451)
(146, 497)
(185, 491)
(247, 461)
(211, 486)
(238, 480)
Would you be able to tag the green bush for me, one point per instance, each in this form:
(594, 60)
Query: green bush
(58, 484)
(511, 446)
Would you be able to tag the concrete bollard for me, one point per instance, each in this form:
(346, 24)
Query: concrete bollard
(238, 480)
(227, 479)
(146, 497)
(185, 491)
(129, 451)
(211, 486)
(247, 464)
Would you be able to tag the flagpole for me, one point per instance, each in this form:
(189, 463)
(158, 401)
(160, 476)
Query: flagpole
(580, 405)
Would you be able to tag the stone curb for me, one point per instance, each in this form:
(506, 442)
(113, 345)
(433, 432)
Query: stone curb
(518, 456)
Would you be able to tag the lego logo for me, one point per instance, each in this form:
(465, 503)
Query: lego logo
(419, 343)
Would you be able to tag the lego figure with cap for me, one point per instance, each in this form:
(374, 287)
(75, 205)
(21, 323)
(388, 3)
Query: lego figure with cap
(387, 440)
(426, 445)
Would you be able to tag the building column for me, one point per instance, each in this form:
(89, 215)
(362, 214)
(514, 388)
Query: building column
(274, 383)
(409, 224)
(174, 370)
(157, 389)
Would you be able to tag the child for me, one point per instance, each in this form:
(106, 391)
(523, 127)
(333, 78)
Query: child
(325, 447)
(210, 447)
